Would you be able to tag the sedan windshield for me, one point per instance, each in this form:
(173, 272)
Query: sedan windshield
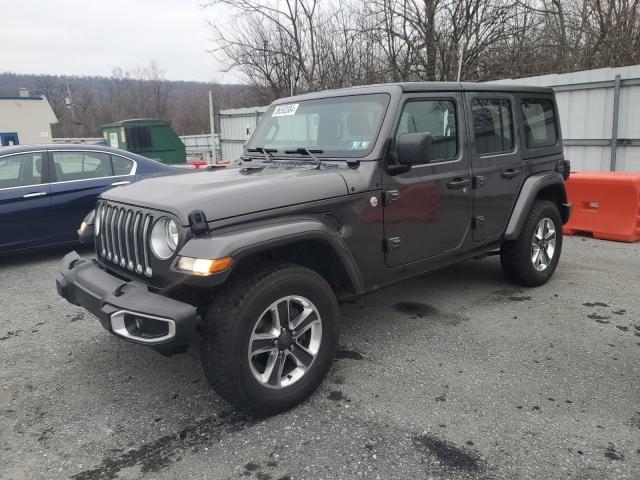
(333, 126)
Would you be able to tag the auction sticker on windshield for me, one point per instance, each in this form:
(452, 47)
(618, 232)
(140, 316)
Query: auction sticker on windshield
(285, 110)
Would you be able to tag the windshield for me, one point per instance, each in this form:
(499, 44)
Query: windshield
(333, 126)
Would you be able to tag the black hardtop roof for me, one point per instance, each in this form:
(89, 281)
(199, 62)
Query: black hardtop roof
(416, 87)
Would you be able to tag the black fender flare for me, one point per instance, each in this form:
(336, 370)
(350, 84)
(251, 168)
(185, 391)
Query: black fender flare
(240, 241)
(531, 187)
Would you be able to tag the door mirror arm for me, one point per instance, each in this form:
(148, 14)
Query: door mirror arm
(391, 164)
(396, 169)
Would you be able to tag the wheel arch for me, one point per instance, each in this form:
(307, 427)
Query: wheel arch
(546, 186)
(309, 241)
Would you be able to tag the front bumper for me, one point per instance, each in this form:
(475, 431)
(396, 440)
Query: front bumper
(121, 306)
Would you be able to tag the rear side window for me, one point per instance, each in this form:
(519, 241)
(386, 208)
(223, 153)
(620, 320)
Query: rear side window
(492, 125)
(72, 166)
(437, 117)
(121, 166)
(21, 170)
(539, 122)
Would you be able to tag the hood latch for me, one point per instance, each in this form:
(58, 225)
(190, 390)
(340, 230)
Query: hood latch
(198, 222)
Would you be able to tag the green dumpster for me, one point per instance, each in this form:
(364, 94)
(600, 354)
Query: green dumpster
(147, 137)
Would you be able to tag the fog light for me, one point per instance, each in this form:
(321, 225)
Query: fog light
(204, 266)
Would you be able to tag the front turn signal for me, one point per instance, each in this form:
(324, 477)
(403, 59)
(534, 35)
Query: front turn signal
(204, 266)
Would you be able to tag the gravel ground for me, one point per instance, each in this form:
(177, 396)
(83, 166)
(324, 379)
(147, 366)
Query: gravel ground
(456, 374)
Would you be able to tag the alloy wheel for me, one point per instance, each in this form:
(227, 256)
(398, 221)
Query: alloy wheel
(543, 244)
(285, 341)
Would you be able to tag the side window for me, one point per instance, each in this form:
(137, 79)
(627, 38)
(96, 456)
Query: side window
(437, 117)
(21, 170)
(539, 122)
(492, 125)
(121, 166)
(72, 166)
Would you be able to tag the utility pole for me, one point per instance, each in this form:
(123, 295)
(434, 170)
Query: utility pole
(213, 129)
(460, 54)
(69, 102)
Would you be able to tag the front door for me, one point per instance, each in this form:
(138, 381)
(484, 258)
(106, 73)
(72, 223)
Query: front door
(24, 201)
(427, 209)
(496, 161)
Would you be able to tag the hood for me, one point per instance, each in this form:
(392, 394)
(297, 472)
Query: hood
(231, 192)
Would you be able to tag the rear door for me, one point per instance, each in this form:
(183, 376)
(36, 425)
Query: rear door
(496, 161)
(427, 209)
(78, 178)
(24, 201)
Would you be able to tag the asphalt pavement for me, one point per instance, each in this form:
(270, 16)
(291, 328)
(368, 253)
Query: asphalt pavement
(455, 374)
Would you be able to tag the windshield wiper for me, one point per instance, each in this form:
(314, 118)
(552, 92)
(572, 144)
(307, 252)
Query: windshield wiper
(308, 152)
(265, 151)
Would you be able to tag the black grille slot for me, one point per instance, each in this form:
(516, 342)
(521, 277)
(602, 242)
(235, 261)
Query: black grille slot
(123, 237)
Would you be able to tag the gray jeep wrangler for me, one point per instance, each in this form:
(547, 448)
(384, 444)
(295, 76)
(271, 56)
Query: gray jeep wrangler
(338, 193)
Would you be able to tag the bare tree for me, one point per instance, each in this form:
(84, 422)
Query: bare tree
(335, 44)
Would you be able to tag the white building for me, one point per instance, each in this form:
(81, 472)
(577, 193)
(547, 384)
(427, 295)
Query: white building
(25, 120)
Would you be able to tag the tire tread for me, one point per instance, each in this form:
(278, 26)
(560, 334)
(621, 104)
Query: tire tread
(515, 255)
(220, 321)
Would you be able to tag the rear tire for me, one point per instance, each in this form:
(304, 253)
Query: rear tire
(531, 259)
(255, 351)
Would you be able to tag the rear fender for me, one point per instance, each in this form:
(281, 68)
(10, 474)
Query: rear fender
(548, 185)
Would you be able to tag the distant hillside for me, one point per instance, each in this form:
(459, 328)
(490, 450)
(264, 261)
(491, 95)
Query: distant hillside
(101, 100)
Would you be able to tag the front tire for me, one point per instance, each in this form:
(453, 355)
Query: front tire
(270, 337)
(531, 259)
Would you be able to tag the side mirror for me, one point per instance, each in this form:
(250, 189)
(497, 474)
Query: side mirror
(414, 148)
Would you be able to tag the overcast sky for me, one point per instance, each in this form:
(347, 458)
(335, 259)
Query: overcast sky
(90, 37)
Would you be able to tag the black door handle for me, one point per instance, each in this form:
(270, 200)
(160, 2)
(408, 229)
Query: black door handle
(457, 183)
(510, 173)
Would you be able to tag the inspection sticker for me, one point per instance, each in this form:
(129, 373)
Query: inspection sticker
(358, 145)
(285, 110)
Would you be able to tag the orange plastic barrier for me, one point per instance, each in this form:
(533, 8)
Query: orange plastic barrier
(606, 204)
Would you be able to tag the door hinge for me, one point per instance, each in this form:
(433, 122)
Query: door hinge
(390, 196)
(477, 181)
(391, 244)
(478, 221)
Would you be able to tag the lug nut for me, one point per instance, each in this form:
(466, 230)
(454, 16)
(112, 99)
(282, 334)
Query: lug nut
(275, 342)
(283, 330)
(292, 348)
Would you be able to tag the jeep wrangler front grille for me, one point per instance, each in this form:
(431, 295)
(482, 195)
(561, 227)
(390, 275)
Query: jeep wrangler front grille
(123, 236)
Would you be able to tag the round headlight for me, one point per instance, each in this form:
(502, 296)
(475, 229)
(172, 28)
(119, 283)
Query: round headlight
(164, 238)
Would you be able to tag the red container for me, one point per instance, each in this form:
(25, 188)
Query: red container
(605, 204)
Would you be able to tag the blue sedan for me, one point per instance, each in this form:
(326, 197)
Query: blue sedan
(47, 190)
